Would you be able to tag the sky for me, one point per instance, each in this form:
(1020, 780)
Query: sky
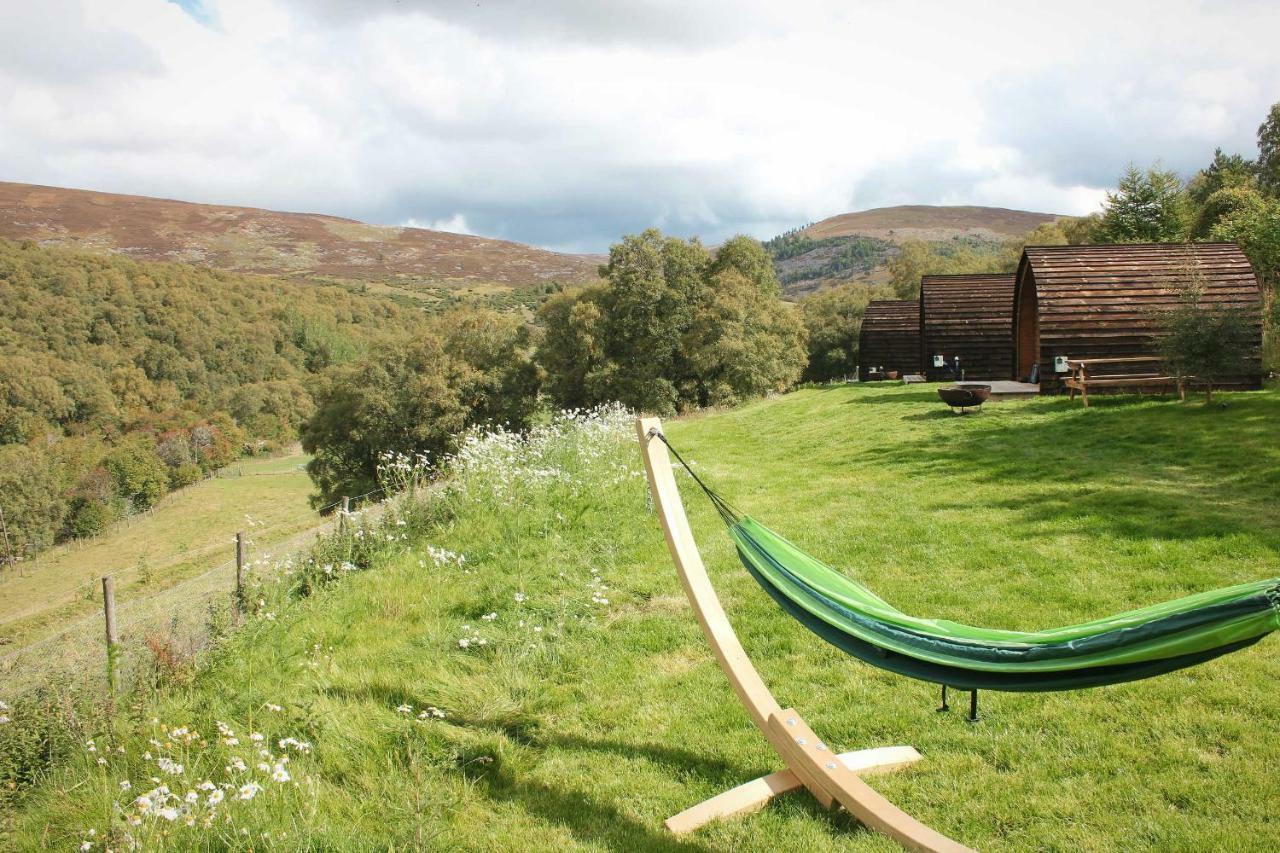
(568, 123)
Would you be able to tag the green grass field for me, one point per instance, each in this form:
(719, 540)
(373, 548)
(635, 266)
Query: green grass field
(594, 708)
(187, 532)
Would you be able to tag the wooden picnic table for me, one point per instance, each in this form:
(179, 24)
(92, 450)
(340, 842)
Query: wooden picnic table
(1085, 375)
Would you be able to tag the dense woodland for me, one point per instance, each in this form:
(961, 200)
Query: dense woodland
(122, 380)
(1232, 199)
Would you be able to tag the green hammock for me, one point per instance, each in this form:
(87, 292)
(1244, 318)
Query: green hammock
(1125, 647)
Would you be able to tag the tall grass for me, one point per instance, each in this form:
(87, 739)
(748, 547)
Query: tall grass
(505, 658)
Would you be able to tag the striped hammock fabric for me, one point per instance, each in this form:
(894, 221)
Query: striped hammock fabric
(1126, 647)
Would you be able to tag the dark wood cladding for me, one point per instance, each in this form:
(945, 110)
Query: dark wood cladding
(970, 316)
(1103, 301)
(890, 337)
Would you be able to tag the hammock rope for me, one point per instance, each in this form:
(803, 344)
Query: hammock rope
(1128, 646)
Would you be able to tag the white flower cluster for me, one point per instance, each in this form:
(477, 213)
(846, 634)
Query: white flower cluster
(431, 712)
(497, 463)
(444, 557)
(202, 803)
(4, 713)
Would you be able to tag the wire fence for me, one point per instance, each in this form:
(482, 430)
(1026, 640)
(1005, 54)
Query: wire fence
(157, 627)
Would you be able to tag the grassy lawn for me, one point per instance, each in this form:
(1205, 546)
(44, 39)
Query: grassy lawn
(587, 733)
(187, 532)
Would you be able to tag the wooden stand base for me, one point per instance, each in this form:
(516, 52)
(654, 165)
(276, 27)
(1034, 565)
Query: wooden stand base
(756, 794)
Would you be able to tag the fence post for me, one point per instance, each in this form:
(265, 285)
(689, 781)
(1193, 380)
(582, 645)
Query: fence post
(240, 572)
(342, 517)
(113, 640)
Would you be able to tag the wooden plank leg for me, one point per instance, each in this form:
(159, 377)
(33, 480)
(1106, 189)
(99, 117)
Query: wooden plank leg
(810, 757)
(756, 794)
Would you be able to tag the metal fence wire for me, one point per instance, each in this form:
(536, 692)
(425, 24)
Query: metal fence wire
(176, 621)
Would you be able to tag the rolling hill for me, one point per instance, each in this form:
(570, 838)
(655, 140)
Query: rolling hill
(857, 246)
(414, 261)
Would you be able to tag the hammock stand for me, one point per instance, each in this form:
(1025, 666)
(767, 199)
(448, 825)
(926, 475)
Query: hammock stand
(829, 777)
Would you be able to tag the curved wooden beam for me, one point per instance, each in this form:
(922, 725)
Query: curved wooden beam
(808, 760)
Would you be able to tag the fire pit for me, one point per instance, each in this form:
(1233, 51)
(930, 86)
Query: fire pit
(964, 396)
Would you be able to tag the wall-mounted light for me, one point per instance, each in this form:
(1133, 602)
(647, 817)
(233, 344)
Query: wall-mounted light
(1060, 364)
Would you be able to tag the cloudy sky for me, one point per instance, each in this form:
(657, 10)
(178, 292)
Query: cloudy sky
(565, 123)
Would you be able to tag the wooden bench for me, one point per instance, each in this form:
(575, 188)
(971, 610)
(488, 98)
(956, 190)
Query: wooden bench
(1084, 376)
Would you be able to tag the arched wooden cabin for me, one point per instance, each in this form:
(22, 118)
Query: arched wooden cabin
(1084, 302)
(970, 317)
(890, 337)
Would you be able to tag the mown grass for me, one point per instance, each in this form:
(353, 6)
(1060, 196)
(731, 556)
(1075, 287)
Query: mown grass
(186, 533)
(586, 734)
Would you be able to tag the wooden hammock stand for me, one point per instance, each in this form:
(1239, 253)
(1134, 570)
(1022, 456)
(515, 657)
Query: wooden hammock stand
(829, 777)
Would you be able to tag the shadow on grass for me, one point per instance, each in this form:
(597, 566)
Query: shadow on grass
(1172, 470)
(591, 821)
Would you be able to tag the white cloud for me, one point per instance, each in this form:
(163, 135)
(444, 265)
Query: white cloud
(456, 224)
(574, 125)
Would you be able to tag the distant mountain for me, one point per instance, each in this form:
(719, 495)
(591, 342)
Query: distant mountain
(858, 246)
(412, 261)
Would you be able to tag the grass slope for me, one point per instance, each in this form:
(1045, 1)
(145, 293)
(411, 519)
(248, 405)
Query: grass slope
(187, 532)
(586, 734)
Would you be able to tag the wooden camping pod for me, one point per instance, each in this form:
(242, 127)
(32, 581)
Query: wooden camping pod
(969, 317)
(1087, 302)
(890, 337)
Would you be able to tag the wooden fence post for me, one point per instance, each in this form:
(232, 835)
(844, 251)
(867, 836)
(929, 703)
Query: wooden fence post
(342, 517)
(240, 572)
(113, 640)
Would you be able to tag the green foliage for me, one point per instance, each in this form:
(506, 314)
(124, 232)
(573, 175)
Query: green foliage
(1203, 341)
(198, 365)
(672, 329)
(1147, 207)
(833, 318)
(917, 258)
(398, 398)
(415, 398)
(33, 501)
(501, 387)
(1269, 153)
(830, 257)
(138, 475)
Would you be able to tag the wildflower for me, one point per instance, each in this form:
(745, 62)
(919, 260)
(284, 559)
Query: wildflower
(464, 643)
(489, 617)
(102, 762)
(89, 747)
(249, 790)
(273, 707)
(237, 765)
(206, 785)
(169, 766)
(215, 797)
(256, 737)
(520, 598)
(192, 797)
(168, 813)
(405, 709)
(125, 784)
(144, 803)
(280, 774)
(86, 845)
